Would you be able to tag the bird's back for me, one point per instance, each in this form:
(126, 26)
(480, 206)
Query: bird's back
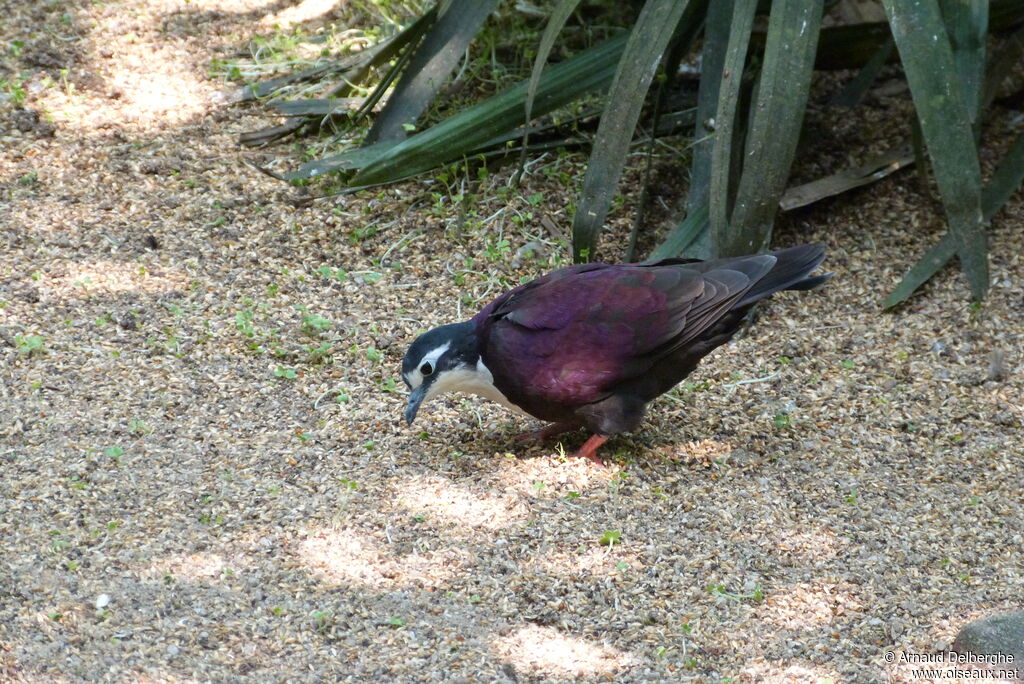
(588, 336)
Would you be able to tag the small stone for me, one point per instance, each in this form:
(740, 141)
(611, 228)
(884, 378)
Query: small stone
(102, 601)
(532, 250)
(24, 119)
(28, 294)
(128, 321)
(993, 637)
(997, 369)
(173, 650)
(510, 671)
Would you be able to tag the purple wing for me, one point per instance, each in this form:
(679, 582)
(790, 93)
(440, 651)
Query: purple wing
(570, 337)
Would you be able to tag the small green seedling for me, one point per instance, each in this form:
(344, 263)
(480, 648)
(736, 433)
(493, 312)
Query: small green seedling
(313, 324)
(30, 344)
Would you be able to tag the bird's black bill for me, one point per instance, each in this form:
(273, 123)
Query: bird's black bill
(415, 399)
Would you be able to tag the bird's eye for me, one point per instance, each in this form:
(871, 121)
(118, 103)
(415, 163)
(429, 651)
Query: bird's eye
(426, 369)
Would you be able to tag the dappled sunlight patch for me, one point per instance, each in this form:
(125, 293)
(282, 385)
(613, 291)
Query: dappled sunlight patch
(344, 557)
(139, 70)
(143, 678)
(594, 560)
(808, 605)
(56, 222)
(200, 567)
(84, 280)
(440, 499)
(304, 11)
(171, 93)
(780, 673)
(230, 6)
(557, 474)
(546, 651)
(817, 546)
(11, 671)
(700, 451)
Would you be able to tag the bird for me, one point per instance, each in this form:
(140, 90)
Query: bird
(590, 345)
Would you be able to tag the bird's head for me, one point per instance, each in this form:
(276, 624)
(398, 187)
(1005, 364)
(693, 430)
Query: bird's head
(438, 361)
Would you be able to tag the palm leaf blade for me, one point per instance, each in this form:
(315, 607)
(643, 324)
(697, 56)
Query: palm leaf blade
(726, 124)
(942, 111)
(774, 131)
(435, 58)
(648, 40)
(449, 140)
(683, 235)
(1004, 182)
(712, 65)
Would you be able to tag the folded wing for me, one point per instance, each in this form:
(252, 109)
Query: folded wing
(574, 335)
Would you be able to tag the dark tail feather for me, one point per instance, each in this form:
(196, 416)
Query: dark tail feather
(791, 272)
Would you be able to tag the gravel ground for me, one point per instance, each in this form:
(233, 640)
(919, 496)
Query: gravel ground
(207, 478)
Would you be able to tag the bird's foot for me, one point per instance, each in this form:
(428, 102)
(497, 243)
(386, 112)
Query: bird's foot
(590, 447)
(546, 432)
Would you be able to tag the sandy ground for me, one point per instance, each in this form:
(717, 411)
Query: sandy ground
(206, 476)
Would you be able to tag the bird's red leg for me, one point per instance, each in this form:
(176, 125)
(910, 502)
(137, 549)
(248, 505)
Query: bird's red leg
(590, 447)
(546, 432)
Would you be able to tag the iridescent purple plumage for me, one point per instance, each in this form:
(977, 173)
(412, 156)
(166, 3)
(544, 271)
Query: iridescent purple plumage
(589, 346)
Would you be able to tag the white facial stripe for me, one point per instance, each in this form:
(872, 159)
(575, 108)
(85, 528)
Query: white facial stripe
(477, 381)
(414, 377)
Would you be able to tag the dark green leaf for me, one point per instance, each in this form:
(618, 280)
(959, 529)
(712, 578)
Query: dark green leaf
(689, 26)
(927, 58)
(967, 24)
(1005, 60)
(854, 91)
(920, 157)
(563, 133)
(695, 224)
(351, 67)
(726, 126)
(588, 71)
(647, 44)
(774, 129)
(355, 158)
(873, 170)
(712, 63)
(1005, 181)
(556, 22)
(846, 46)
(268, 135)
(934, 259)
(316, 106)
(434, 59)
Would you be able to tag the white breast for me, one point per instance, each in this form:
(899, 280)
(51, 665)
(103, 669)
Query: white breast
(478, 381)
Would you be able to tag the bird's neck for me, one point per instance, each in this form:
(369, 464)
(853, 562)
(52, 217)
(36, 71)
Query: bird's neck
(465, 343)
(472, 376)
